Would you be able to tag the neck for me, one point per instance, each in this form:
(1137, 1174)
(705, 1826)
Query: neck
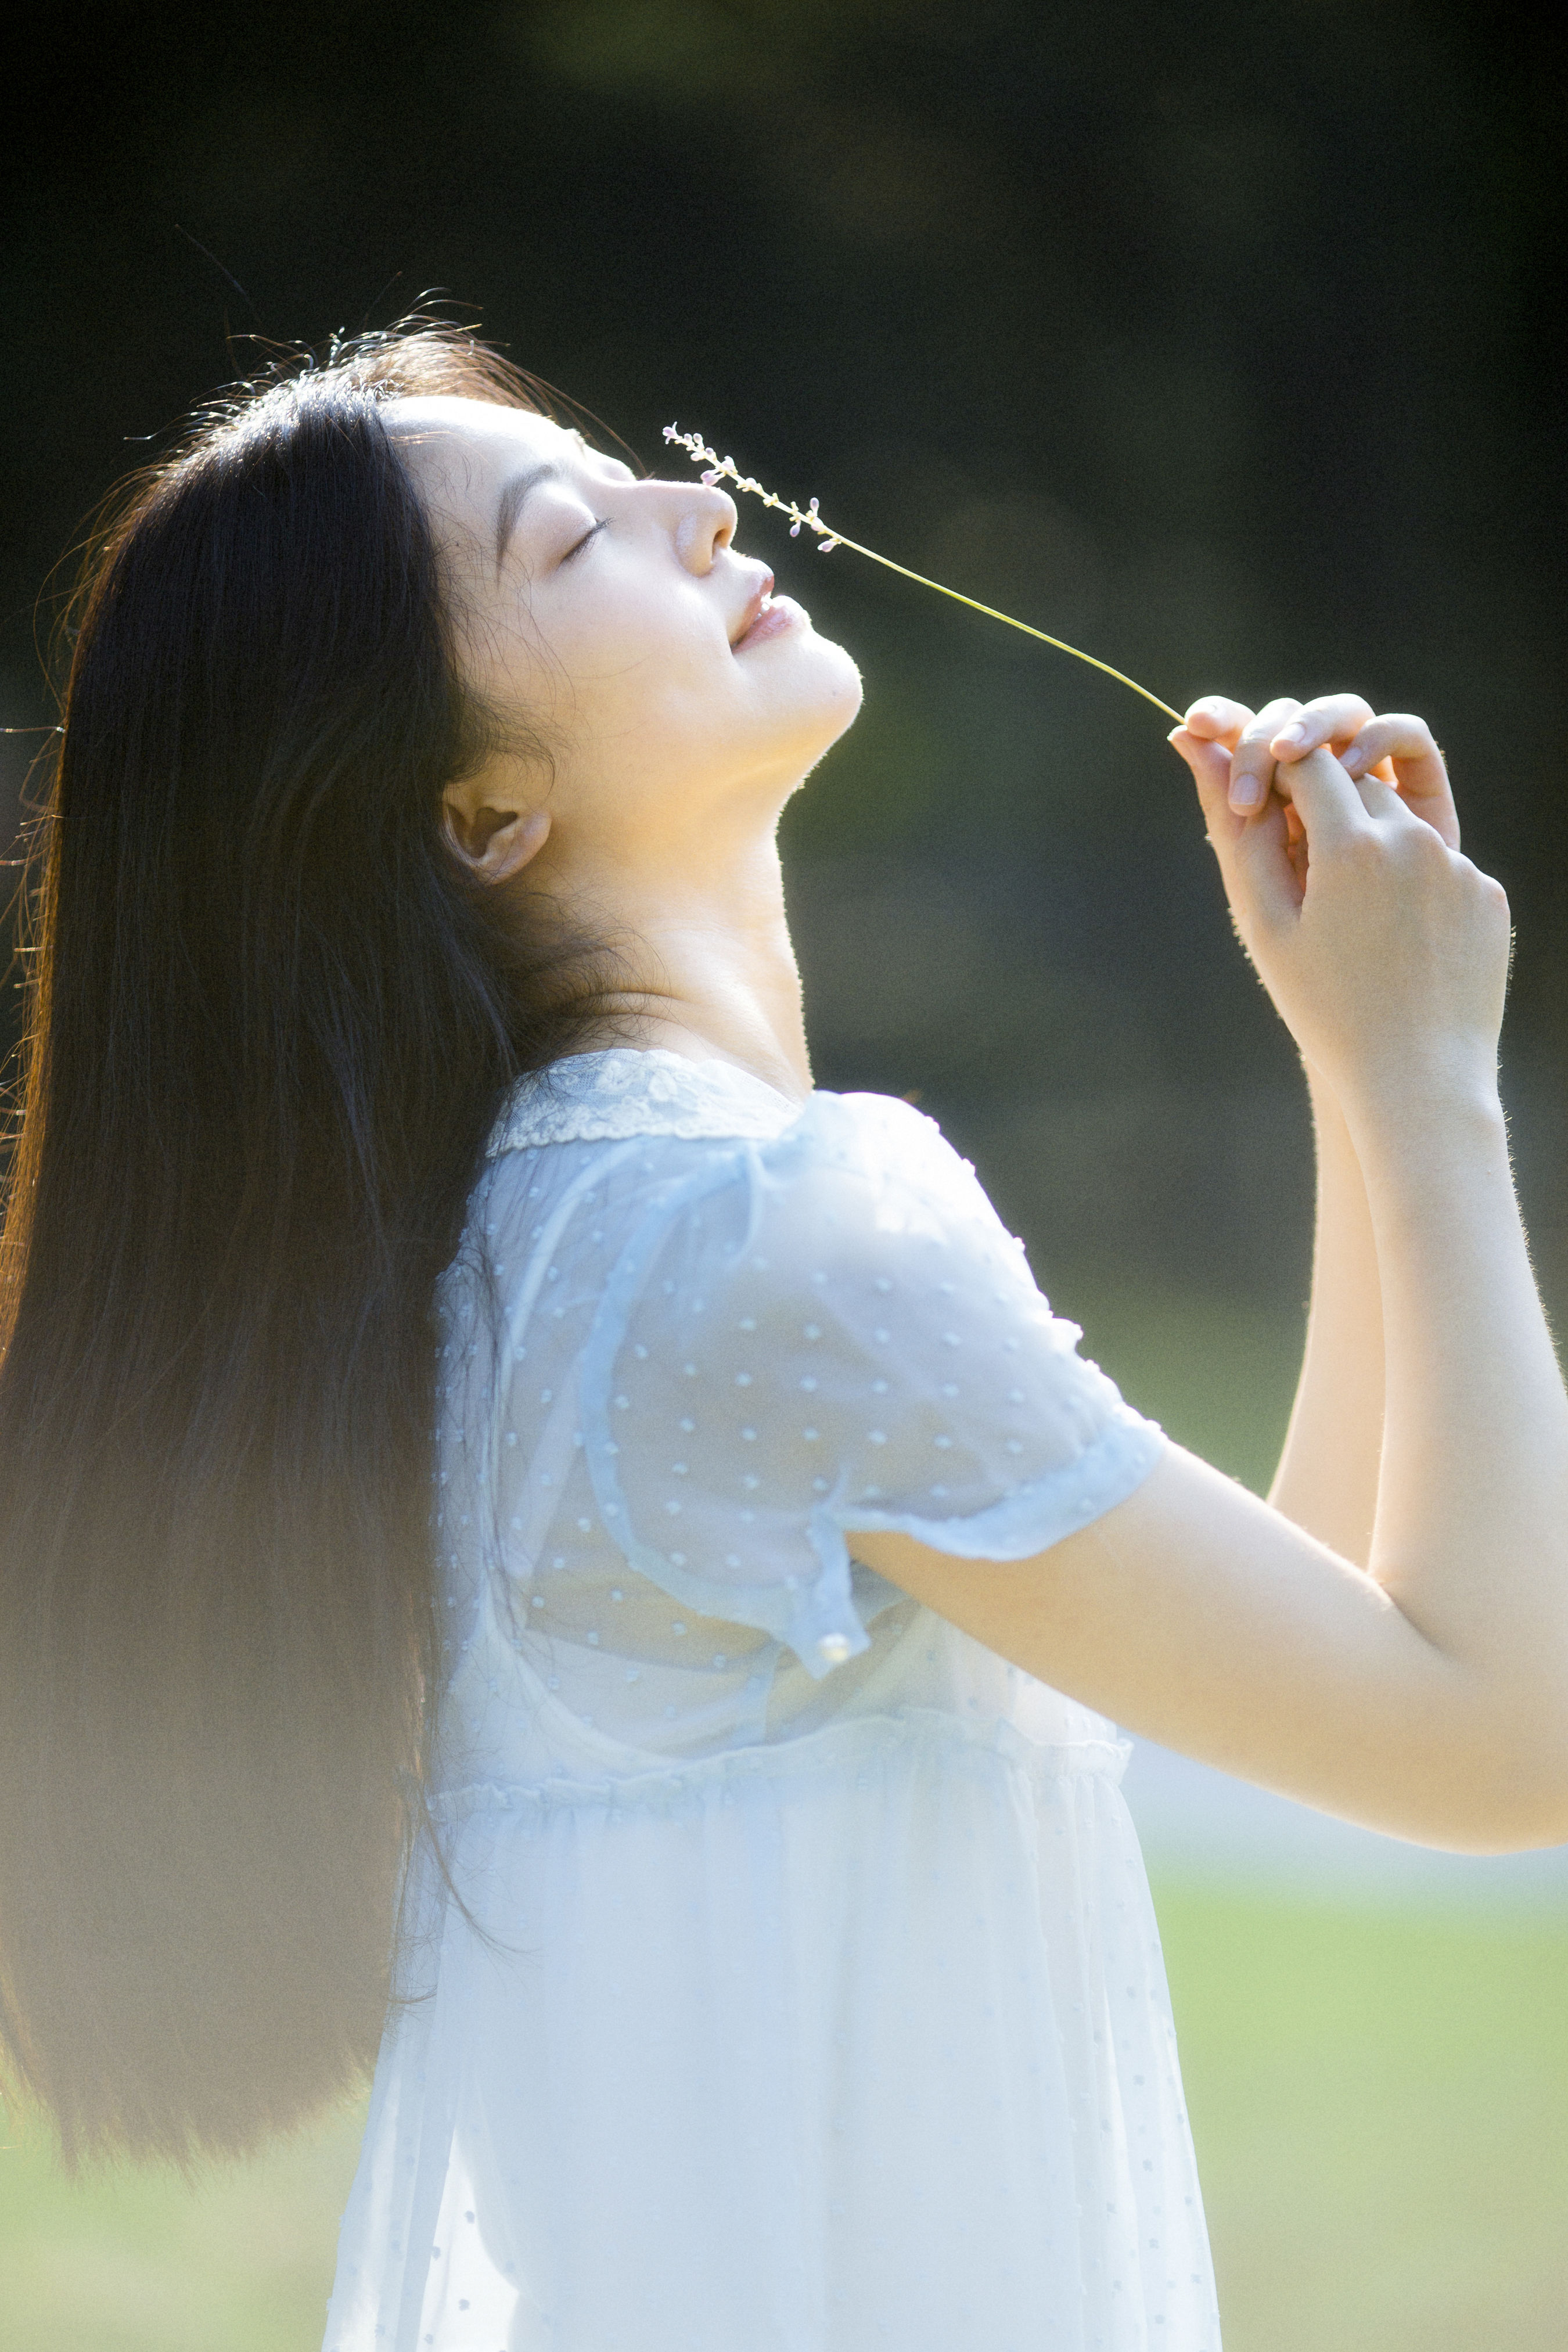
(707, 967)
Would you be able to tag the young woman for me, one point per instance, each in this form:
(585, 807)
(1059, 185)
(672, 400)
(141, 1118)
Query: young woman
(514, 1507)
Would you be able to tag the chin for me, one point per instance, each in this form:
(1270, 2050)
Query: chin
(824, 698)
(842, 688)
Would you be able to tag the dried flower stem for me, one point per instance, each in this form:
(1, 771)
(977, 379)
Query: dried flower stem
(719, 468)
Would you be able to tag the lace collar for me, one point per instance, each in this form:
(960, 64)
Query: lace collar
(625, 1090)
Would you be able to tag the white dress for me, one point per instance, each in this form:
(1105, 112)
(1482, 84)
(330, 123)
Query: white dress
(810, 1998)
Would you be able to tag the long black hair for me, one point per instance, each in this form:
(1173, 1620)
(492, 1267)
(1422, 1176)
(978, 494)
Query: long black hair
(270, 1021)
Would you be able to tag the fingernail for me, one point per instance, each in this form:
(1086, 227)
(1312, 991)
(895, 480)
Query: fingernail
(1353, 759)
(1245, 792)
(1294, 733)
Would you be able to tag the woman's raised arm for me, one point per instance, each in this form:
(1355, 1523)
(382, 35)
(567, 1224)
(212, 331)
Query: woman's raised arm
(1327, 1476)
(1427, 1694)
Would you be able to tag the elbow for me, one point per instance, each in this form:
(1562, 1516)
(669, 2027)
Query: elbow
(1519, 1800)
(1537, 1824)
(1538, 1815)
(1529, 1830)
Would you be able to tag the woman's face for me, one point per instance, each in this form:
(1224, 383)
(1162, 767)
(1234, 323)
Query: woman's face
(616, 612)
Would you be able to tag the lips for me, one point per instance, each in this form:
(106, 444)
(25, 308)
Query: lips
(752, 611)
(779, 613)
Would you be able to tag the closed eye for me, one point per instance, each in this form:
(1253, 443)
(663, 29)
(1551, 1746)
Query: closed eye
(582, 543)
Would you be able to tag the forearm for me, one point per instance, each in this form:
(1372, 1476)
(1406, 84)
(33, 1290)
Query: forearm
(1327, 1479)
(1427, 1694)
(1469, 1537)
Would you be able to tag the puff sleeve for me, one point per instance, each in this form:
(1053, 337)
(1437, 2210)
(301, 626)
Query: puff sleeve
(827, 1333)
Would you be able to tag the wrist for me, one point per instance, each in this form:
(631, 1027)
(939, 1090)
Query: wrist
(1402, 1075)
(1426, 1113)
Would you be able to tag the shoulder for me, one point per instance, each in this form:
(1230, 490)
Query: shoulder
(876, 1171)
(860, 1197)
(859, 1187)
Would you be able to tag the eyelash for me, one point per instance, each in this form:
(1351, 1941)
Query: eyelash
(582, 543)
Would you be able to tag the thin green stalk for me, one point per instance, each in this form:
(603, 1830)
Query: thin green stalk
(725, 468)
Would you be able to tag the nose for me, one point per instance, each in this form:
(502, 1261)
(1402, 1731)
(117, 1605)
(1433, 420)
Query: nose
(706, 524)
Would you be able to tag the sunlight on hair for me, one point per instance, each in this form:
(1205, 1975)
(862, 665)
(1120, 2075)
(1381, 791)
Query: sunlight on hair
(717, 467)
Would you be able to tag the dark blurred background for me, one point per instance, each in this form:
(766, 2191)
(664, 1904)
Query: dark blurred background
(1222, 340)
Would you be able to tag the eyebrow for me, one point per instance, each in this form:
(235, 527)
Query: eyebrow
(511, 503)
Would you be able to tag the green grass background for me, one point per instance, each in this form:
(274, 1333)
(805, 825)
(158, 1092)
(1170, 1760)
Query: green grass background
(1380, 2104)
(1379, 2096)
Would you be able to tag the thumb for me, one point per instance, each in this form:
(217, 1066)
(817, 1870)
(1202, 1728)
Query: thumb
(1259, 880)
(1210, 766)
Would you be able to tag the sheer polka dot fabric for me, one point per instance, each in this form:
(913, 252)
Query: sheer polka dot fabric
(829, 1333)
(786, 1974)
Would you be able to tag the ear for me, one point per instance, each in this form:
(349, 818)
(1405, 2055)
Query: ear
(493, 843)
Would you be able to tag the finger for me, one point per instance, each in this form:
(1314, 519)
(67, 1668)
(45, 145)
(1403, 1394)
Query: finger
(1265, 876)
(1217, 720)
(1330, 804)
(1332, 719)
(1417, 768)
(1254, 859)
(1252, 763)
(1380, 798)
(1210, 765)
